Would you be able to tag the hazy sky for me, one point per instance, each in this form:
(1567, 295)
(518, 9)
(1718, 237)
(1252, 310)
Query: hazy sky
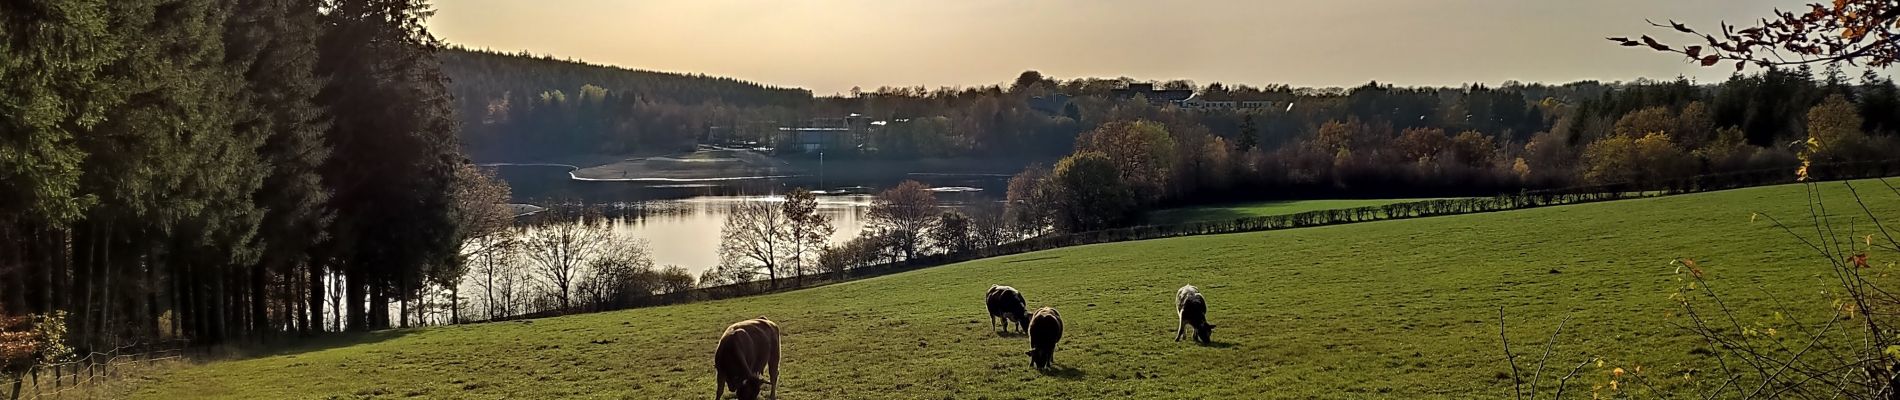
(831, 46)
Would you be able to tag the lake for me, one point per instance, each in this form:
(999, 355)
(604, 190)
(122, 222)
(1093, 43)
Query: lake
(681, 221)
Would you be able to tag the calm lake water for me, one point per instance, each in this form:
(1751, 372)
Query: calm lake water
(681, 221)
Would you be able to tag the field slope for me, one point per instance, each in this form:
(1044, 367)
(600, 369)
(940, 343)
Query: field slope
(1403, 309)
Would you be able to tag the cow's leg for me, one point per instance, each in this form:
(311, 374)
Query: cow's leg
(773, 366)
(1180, 330)
(720, 389)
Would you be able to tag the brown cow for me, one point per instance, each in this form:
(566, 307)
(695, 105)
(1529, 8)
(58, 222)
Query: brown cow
(745, 349)
(1045, 329)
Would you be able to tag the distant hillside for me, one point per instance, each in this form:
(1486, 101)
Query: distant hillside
(486, 74)
(522, 106)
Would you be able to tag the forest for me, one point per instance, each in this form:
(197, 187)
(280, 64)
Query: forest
(217, 170)
(1384, 141)
(1371, 140)
(523, 107)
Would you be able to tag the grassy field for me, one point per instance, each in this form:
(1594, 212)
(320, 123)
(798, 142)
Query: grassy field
(1405, 309)
(1223, 212)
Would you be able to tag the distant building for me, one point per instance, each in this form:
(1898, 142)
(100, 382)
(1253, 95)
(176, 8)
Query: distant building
(846, 133)
(812, 139)
(1228, 101)
(1156, 97)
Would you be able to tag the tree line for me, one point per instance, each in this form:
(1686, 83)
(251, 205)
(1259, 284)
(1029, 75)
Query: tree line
(523, 107)
(1385, 141)
(1475, 139)
(220, 169)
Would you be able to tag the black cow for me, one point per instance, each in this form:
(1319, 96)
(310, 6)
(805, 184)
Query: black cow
(1007, 303)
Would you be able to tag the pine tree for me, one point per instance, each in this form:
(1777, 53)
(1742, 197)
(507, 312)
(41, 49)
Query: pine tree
(273, 42)
(173, 176)
(51, 57)
(1249, 134)
(394, 139)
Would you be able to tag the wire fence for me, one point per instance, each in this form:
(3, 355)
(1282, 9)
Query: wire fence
(82, 372)
(1405, 210)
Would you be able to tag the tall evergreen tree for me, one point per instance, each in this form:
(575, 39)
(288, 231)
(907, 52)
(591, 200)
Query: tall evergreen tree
(273, 43)
(51, 56)
(394, 138)
(173, 177)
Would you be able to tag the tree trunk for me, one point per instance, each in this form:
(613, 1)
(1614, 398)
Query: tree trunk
(259, 326)
(402, 304)
(455, 305)
(13, 299)
(177, 297)
(317, 289)
(293, 302)
(81, 302)
(151, 293)
(218, 312)
(104, 329)
(355, 302)
(378, 304)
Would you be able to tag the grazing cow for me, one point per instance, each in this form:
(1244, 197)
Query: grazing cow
(1045, 329)
(1192, 309)
(745, 349)
(1007, 303)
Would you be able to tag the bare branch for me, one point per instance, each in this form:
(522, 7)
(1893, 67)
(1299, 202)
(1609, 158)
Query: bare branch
(1516, 379)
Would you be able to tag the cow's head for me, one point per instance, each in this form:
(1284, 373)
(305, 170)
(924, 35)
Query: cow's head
(747, 387)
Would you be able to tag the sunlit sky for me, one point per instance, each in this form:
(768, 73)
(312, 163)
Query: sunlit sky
(833, 45)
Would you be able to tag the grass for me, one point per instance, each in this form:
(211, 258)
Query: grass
(1405, 309)
(1226, 212)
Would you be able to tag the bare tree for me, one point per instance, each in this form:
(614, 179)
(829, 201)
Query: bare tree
(336, 291)
(806, 232)
(988, 226)
(727, 273)
(953, 233)
(507, 287)
(560, 249)
(494, 273)
(675, 279)
(754, 238)
(1851, 31)
(482, 205)
(621, 275)
(1030, 201)
(908, 212)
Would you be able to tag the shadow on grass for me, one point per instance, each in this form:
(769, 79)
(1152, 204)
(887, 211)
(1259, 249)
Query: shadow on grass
(1217, 344)
(1209, 213)
(1059, 371)
(294, 345)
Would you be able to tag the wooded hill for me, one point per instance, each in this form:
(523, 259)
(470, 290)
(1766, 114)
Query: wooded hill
(523, 106)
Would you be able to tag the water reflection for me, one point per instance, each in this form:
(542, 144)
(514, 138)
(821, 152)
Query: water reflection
(682, 221)
(687, 232)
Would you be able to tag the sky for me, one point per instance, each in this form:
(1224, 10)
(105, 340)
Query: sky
(830, 46)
